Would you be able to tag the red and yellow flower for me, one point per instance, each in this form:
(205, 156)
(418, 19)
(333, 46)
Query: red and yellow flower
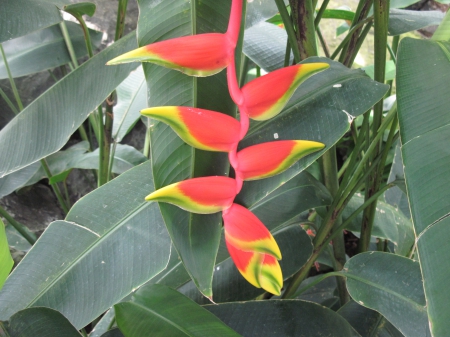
(253, 249)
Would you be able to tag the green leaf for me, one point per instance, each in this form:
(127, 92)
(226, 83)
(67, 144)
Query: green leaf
(423, 100)
(16, 240)
(44, 49)
(131, 98)
(104, 324)
(321, 292)
(125, 158)
(58, 178)
(402, 21)
(196, 237)
(390, 70)
(44, 126)
(29, 16)
(6, 261)
(391, 285)
(40, 322)
(265, 44)
(367, 322)
(228, 283)
(15, 180)
(442, 33)
(157, 310)
(79, 9)
(338, 14)
(389, 224)
(111, 242)
(282, 318)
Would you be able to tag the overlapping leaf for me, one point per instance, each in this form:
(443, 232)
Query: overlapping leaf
(96, 253)
(44, 126)
(423, 100)
(44, 49)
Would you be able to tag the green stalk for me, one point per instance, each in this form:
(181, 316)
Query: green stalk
(68, 41)
(350, 34)
(381, 17)
(18, 226)
(359, 43)
(395, 42)
(361, 13)
(287, 54)
(303, 15)
(325, 48)
(8, 101)
(120, 23)
(146, 150)
(87, 36)
(108, 159)
(329, 165)
(292, 38)
(11, 79)
(319, 14)
(102, 166)
(55, 187)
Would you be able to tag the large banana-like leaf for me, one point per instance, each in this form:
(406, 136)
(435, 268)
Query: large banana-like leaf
(39, 322)
(44, 126)
(29, 15)
(423, 99)
(44, 49)
(6, 261)
(282, 318)
(111, 242)
(391, 285)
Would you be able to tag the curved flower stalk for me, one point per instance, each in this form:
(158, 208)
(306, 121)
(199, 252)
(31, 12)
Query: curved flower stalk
(250, 244)
(200, 128)
(253, 249)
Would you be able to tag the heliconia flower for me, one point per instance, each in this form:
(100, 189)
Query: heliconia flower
(253, 249)
(198, 195)
(268, 159)
(195, 55)
(266, 96)
(202, 129)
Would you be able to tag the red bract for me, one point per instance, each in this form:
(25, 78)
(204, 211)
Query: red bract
(253, 249)
(268, 159)
(199, 195)
(196, 55)
(200, 128)
(266, 96)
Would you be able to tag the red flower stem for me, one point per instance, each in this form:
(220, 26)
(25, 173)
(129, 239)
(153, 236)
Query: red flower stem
(234, 25)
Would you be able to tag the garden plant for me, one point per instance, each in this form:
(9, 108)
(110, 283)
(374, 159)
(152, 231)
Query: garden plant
(280, 190)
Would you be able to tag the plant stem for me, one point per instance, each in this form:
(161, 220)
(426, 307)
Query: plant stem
(303, 15)
(55, 187)
(329, 164)
(287, 54)
(108, 136)
(120, 23)
(18, 226)
(351, 32)
(9, 102)
(292, 39)
(102, 169)
(325, 48)
(11, 79)
(359, 43)
(68, 41)
(361, 13)
(146, 150)
(320, 13)
(381, 17)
